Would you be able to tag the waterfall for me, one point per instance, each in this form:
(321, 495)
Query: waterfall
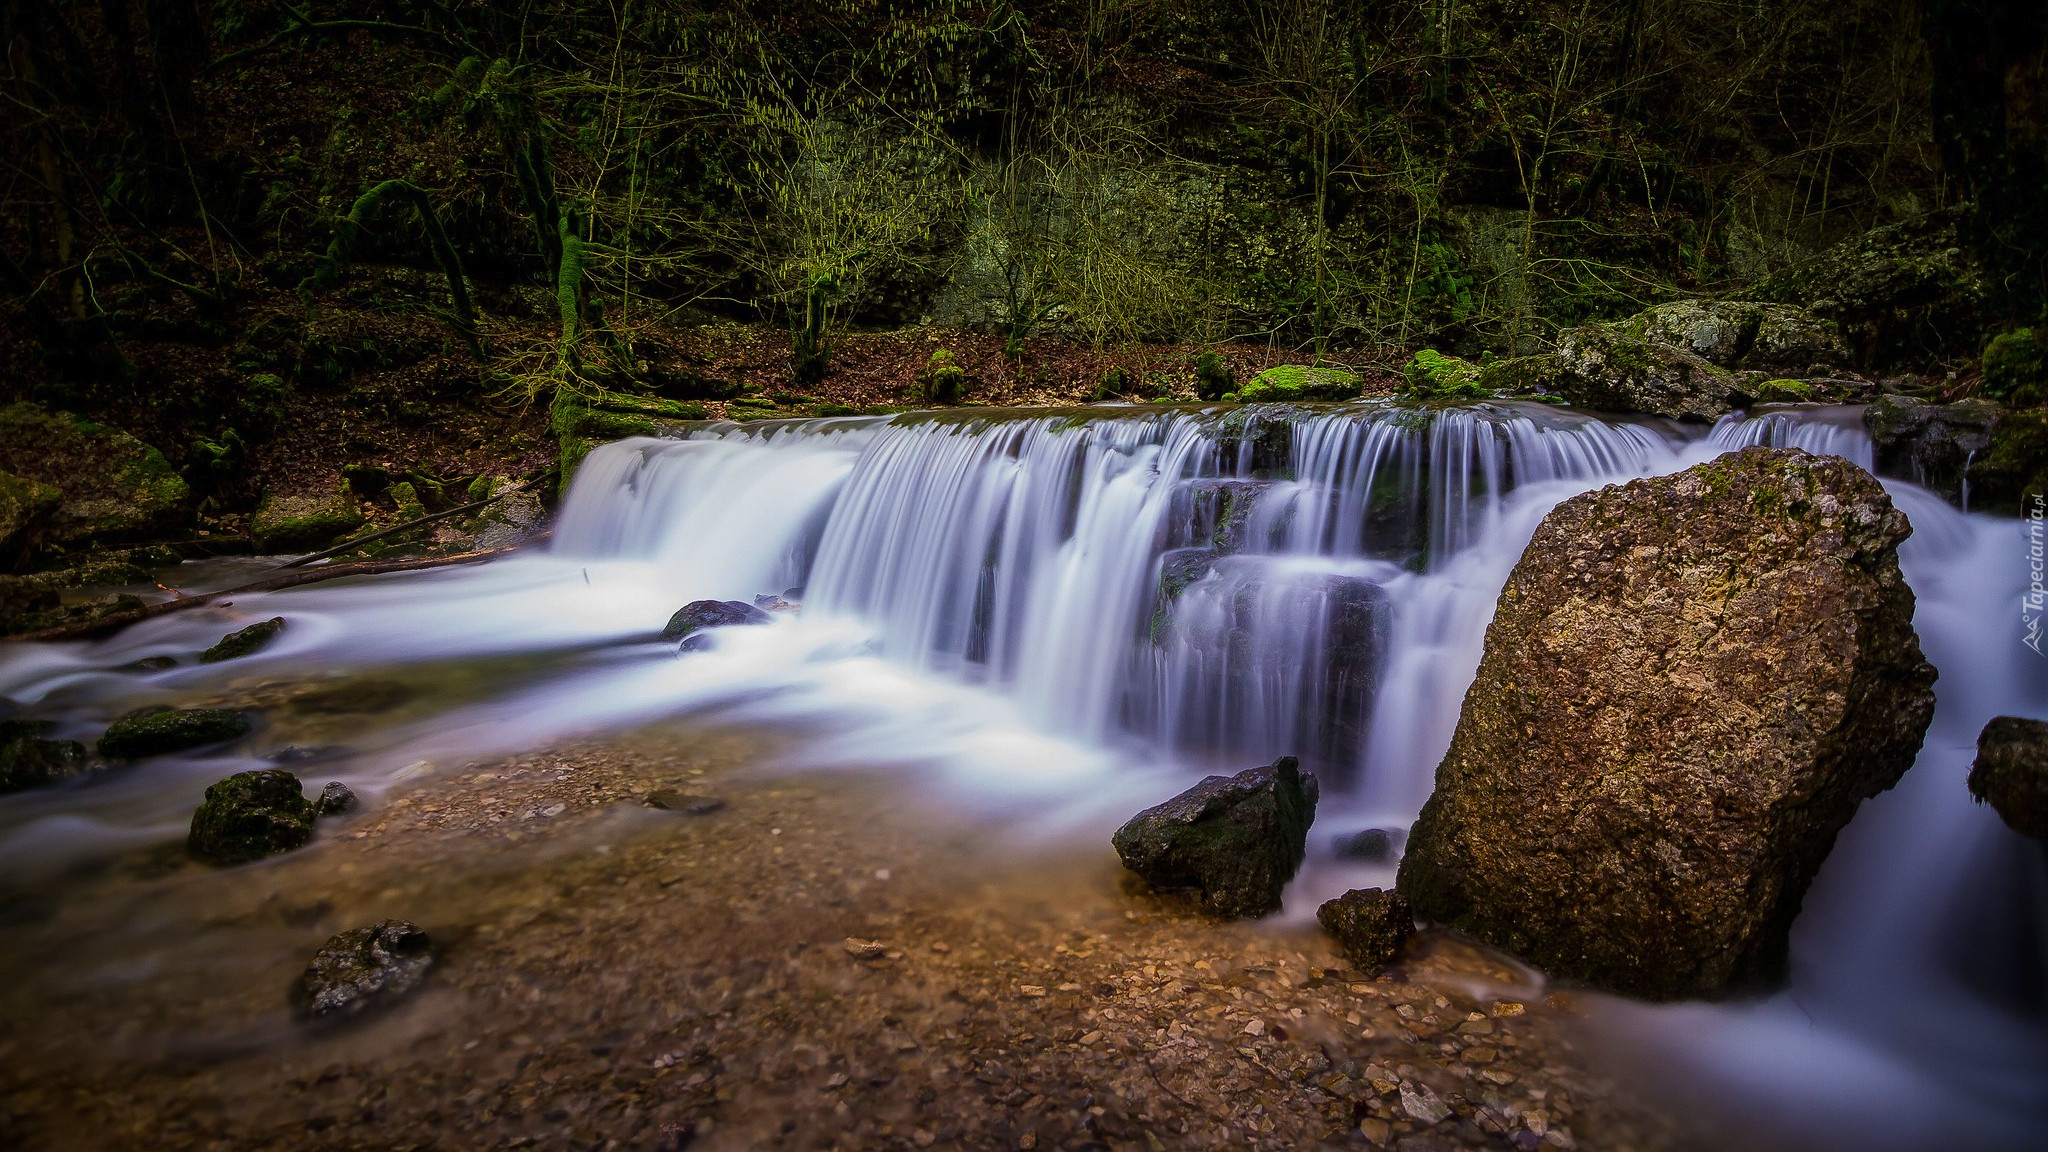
(1077, 605)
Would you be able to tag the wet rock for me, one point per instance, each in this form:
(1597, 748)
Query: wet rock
(688, 803)
(251, 815)
(157, 731)
(29, 760)
(1609, 370)
(1933, 445)
(306, 754)
(1237, 840)
(23, 602)
(1216, 515)
(515, 517)
(2016, 367)
(364, 967)
(1688, 687)
(1370, 925)
(303, 523)
(1375, 845)
(335, 799)
(2012, 475)
(149, 664)
(245, 642)
(698, 615)
(2011, 773)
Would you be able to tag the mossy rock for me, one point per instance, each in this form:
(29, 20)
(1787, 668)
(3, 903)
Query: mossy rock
(1370, 925)
(251, 815)
(245, 642)
(1607, 369)
(112, 487)
(1431, 375)
(1300, 382)
(1783, 391)
(1235, 840)
(2013, 471)
(2016, 367)
(285, 524)
(1896, 293)
(154, 733)
(1748, 335)
(1213, 378)
(835, 410)
(27, 760)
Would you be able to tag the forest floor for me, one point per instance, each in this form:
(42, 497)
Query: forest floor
(827, 960)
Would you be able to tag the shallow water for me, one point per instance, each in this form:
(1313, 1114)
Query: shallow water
(978, 601)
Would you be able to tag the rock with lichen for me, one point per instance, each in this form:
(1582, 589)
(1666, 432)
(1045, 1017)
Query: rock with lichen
(28, 759)
(1689, 685)
(305, 523)
(111, 487)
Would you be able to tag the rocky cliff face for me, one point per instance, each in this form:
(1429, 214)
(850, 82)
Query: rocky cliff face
(1691, 683)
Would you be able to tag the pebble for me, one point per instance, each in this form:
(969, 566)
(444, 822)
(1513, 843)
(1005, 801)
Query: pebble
(865, 949)
(1030, 991)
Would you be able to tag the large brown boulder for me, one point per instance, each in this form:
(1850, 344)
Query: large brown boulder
(1689, 685)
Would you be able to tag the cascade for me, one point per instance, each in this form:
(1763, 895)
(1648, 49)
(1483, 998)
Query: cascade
(1066, 599)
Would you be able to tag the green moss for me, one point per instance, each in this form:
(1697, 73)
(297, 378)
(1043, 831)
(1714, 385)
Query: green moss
(1431, 375)
(1521, 376)
(407, 497)
(171, 730)
(2013, 471)
(251, 815)
(836, 410)
(1299, 382)
(303, 523)
(1785, 392)
(2016, 367)
(245, 642)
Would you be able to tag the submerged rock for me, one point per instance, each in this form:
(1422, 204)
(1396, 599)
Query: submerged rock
(29, 760)
(1690, 684)
(2011, 773)
(1237, 839)
(1370, 925)
(157, 731)
(251, 815)
(246, 642)
(688, 803)
(1375, 845)
(363, 967)
(698, 615)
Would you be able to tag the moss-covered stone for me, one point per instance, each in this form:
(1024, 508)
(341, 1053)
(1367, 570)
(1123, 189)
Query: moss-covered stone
(1521, 376)
(112, 487)
(1748, 335)
(25, 509)
(1939, 446)
(1369, 925)
(1689, 685)
(1237, 840)
(154, 733)
(251, 815)
(1431, 375)
(2016, 367)
(285, 524)
(1784, 391)
(943, 381)
(1213, 378)
(1299, 382)
(244, 642)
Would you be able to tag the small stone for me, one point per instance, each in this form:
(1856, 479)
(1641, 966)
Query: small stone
(1028, 1140)
(1370, 925)
(1375, 1131)
(157, 731)
(699, 615)
(303, 753)
(364, 966)
(149, 664)
(553, 810)
(1421, 1104)
(865, 949)
(335, 799)
(246, 642)
(687, 803)
(1255, 1027)
(251, 815)
(1508, 1008)
(1480, 1055)
(1030, 991)
(1092, 1037)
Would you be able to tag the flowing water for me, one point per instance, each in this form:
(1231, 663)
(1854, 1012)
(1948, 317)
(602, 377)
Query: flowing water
(1071, 613)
